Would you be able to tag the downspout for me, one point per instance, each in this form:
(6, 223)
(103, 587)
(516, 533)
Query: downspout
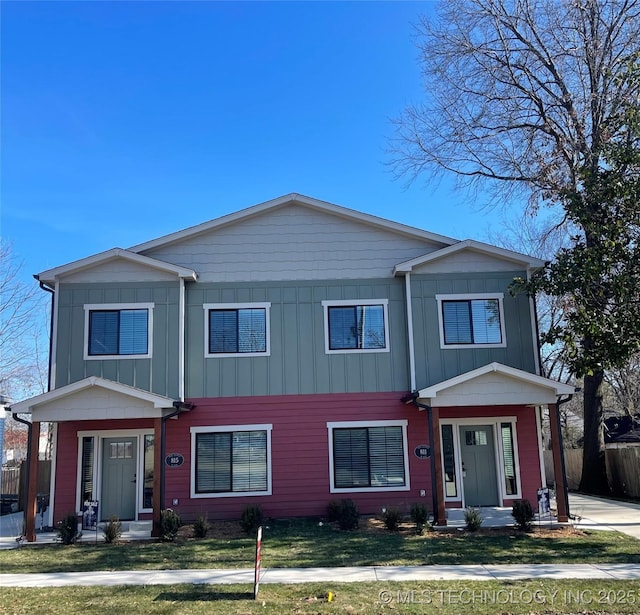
(565, 494)
(181, 341)
(179, 407)
(51, 376)
(413, 398)
(48, 289)
(412, 357)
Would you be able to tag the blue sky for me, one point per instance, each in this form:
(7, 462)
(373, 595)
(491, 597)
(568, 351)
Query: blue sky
(124, 121)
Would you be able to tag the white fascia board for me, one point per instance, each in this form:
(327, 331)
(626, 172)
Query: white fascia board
(26, 406)
(529, 262)
(299, 199)
(558, 387)
(51, 275)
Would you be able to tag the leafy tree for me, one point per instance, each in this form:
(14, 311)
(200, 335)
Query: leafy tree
(534, 97)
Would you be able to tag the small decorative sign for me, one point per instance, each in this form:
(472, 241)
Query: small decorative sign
(544, 503)
(174, 460)
(423, 451)
(90, 515)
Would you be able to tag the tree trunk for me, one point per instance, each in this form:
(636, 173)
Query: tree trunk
(594, 470)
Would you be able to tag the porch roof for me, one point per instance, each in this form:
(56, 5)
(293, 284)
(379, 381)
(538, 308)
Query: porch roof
(494, 384)
(94, 398)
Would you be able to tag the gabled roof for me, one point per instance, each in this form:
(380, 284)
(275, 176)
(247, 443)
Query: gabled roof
(522, 260)
(45, 407)
(293, 199)
(51, 275)
(495, 384)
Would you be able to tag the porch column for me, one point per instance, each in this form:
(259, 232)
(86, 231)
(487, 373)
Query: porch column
(558, 464)
(439, 514)
(32, 490)
(157, 476)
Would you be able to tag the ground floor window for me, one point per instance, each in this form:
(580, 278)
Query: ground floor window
(508, 459)
(230, 461)
(86, 472)
(368, 456)
(449, 462)
(147, 461)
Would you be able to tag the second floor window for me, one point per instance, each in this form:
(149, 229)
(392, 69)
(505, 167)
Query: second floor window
(118, 331)
(234, 329)
(471, 321)
(358, 326)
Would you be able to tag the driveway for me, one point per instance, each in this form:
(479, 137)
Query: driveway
(602, 514)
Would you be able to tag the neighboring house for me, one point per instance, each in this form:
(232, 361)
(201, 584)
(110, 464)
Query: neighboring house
(622, 431)
(289, 354)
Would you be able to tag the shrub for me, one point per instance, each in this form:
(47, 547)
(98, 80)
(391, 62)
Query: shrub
(522, 512)
(348, 516)
(251, 518)
(170, 523)
(113, 530)
(472, 518)
(201, 527)
(420, 516)
(333, 510)
(392, 516)
(68, 529)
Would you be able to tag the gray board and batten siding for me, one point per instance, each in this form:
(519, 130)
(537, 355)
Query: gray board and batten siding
(435, 364)
(298, 363)
(158, 374)
(293, 243)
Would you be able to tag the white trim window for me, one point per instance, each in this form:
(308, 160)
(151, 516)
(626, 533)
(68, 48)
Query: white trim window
(358, 325)
(471, 320)
(368, 456)
(230, 461)
(118, 330)
(237, 330)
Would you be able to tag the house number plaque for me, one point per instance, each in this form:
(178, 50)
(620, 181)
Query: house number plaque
(422, 451)
(174, 460)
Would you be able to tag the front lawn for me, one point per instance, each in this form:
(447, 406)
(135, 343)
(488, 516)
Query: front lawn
(306, 543)
(445, 598)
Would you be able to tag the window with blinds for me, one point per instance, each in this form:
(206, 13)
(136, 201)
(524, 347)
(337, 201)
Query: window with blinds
(508, 459)
(237, 329)
(368, 457)
(471, 322)
(359, 326)
(86, 470)
(231, 462)
(118, 332)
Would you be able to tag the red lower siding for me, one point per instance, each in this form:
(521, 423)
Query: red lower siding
(299, 447)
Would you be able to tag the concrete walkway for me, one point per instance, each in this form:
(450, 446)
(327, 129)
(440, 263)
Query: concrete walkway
(602, 514)
(369, 574)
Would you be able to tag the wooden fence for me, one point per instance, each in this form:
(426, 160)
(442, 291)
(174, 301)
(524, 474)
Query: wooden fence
(14, 481)
(623, 469)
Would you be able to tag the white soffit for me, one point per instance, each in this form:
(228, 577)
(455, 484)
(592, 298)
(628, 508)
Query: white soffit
(94, 398)
(495, 385)
(51, 275)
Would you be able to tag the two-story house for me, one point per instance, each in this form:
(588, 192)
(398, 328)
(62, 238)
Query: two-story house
(289, 354)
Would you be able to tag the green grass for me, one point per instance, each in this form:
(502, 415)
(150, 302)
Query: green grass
(445, 598)
(303, 543)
